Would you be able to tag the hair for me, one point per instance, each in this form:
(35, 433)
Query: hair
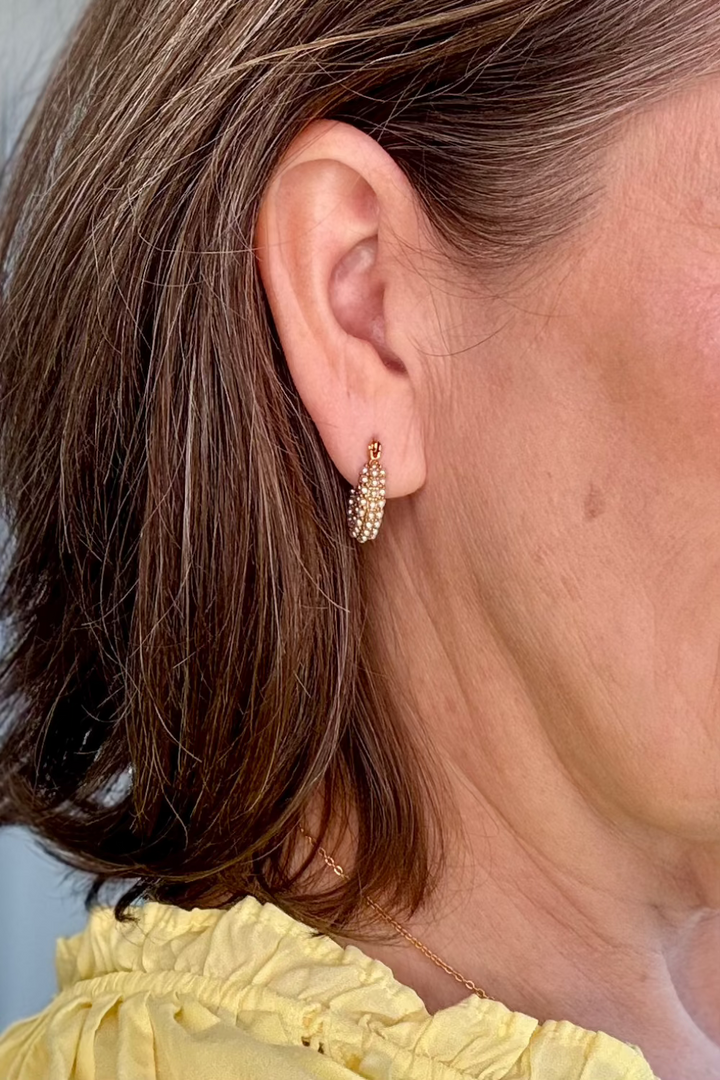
(186, 657)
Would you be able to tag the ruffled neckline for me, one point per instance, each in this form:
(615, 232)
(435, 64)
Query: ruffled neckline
(257, 946)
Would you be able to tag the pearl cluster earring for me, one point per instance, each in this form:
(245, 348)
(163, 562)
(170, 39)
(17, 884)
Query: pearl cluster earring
(366, 501)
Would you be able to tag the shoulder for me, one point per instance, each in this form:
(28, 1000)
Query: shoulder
(151, 1033)
(173, 994)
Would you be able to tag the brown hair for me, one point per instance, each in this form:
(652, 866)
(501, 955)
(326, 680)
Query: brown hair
(186, 662)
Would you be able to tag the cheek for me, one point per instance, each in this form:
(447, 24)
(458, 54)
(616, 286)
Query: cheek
(666, 379)
(688, 322)
(669, 373)
(648, 738)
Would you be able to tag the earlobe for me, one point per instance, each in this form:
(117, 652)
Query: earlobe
(323, 250)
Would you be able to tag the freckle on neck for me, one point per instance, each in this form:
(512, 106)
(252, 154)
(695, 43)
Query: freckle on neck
(594, 503)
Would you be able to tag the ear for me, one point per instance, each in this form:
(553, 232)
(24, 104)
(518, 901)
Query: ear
(329, 235)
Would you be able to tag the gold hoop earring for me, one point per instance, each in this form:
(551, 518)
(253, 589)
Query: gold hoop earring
(366, 502)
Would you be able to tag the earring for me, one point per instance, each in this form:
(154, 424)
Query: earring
(366, 501)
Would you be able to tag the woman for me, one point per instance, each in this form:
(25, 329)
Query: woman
(361, 460)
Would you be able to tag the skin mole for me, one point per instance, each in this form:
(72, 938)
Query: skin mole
(594, 502)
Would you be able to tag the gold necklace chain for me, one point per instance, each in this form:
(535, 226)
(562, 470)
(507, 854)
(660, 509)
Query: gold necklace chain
(337, 869)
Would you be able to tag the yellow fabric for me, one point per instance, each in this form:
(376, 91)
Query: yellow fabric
(249, 994)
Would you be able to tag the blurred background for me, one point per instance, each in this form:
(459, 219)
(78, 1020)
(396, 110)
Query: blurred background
(39, 899)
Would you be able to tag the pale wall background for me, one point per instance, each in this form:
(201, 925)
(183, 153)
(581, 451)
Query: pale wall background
(37, 901)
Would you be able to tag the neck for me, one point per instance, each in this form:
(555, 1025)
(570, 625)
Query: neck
(558, 901)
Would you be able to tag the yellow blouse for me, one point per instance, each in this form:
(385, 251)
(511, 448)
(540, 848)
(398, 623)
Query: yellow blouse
(248, 994)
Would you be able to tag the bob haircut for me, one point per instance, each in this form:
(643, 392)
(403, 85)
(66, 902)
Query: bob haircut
(187, 662)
